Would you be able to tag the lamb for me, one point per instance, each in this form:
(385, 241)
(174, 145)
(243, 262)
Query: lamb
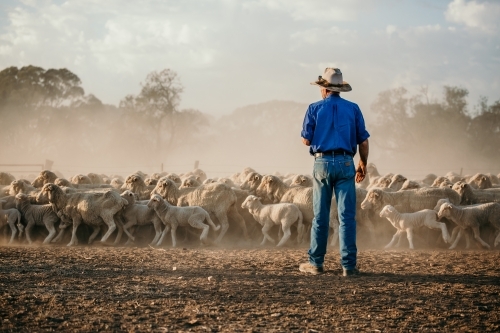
(470, 196)
(473, 217)
(90, 208)
(173, 217)
(217, 199)
(283, 214)
(409, 221)
(42, 215)
(134, 214)
(12, 217)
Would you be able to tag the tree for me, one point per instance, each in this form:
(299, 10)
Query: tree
(157, 105)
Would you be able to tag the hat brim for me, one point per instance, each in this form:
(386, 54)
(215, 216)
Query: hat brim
(345, 87)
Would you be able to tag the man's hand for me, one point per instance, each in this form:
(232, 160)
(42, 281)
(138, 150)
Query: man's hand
(360, 172)
(306, 142)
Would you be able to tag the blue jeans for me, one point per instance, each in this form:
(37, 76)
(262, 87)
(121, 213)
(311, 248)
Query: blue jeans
(334, 173)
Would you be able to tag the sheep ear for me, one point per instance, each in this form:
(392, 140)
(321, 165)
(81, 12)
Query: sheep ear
(375, 194)
(256, 177)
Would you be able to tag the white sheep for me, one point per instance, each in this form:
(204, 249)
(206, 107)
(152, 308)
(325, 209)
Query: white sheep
(409, 221)
(473, 217)
(173, 217)
(284, 214)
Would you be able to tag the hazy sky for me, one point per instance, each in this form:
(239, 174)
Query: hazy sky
(231, 53)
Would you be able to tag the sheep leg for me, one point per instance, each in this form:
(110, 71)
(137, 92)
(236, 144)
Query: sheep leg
(433, 224)
(157, 226)
(119, 226)
(459, 235)
(475, 230)
(125, 228)
(409, 235)
(497, 238)
(454, 234)
(52, 232)
(111, 225)
(74, 240)
(265, 231)
(286, 235)
(165, 231)
(14, 231)
(27, 230)
(172, 233)
(467, 239)
(96, 229)
(234, 215)
(221, 216)
(59, 235)
(195, 221)
(400, 238)
(393, 240)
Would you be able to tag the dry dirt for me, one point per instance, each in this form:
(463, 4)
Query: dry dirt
(244, 290)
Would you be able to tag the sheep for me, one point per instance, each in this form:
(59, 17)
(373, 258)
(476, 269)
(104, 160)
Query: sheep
(251, 182)
(470, 196)
(135, 214)
(301, 180)
(493, 178)
(151, 181)
(453, 177)
(45, 176)
(411, 185)
(283, 214)
(19, 186)
(217, 199)
(456, 228)
(42, 215)
(229, 182)
(440, 180)
(473, 217)
(95, 178)
(409, 221)
(381, 182)
(190, 182)
(480, 181)
(135, 183)
(408, 201)
(175, 178)
(90, 208)
(12, 217)
(173, 217)
(397, 182)
(80, 179)
(116, 183)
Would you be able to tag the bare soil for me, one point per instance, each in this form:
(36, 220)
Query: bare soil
(108, 289)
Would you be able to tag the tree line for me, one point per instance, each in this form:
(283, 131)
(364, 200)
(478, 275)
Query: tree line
(47, 113)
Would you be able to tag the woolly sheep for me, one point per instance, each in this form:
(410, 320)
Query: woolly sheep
(283, 214)
(473, 217)
(409, 221)
(173, 217)
(41, 215)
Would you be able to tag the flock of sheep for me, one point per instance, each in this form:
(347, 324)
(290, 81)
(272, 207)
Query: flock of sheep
(468, 206)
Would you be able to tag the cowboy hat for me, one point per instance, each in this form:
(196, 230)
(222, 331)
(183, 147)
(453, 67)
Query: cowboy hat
(332, 80)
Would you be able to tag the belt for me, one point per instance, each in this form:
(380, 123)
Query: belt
(333, 153)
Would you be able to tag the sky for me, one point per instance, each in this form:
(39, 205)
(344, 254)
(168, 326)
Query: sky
(230, 53)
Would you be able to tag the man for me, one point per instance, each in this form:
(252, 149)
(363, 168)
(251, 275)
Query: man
(333, 128)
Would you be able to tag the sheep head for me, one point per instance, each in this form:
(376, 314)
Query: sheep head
(445, 210)
(372, 200)
(251, 182)
(155, 201)
(387, 210)
(250, 201)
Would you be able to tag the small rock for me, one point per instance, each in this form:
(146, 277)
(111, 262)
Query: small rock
(180, 277)
(309, 302)
(276, 314)
(354, 292)
(174, 268)
(210, 278)
(193, 322)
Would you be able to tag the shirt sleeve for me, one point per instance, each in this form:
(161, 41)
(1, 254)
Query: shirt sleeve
(361, 132)
(309, 125)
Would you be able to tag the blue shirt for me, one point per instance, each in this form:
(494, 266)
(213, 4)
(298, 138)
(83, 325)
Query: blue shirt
(333, 124)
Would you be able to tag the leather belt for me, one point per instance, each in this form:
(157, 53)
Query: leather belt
(333, 153)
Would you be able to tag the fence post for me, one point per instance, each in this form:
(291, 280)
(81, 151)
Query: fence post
(196, 164)
(162, 167)
(461, 171)
(48, 165)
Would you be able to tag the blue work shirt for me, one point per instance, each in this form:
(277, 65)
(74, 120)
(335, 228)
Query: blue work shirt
(333, 124)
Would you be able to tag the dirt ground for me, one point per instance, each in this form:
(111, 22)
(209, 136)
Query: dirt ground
(244, 290)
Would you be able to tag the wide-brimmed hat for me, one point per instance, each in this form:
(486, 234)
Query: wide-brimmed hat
(332, 80)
